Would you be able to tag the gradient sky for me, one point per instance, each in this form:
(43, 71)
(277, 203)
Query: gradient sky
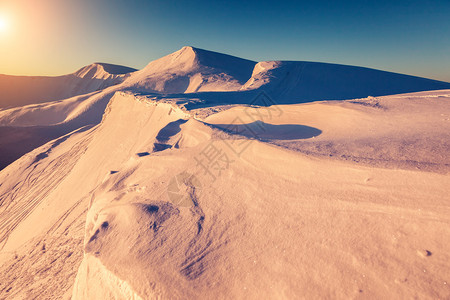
(53, 37)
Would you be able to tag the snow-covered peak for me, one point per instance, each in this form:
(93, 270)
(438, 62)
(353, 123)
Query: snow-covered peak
(181, 60)
(192, 69)
(303, 81)
(23, 90)
(103, 71)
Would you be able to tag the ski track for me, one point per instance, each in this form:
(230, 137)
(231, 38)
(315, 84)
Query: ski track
(38, 184)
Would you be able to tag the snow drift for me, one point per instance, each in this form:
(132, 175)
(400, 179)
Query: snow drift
(259, 223)
(150, 189)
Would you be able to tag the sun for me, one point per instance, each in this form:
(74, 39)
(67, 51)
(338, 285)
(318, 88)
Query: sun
(4, 25)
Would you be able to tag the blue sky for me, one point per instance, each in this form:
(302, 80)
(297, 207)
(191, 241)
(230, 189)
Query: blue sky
(50, 37)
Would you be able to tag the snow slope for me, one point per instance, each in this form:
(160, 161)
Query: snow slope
(309, 81)
(151, 189)
(275, 221)
(22, 90)
(24, 128)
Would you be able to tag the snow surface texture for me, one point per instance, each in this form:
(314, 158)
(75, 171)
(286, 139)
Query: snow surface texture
(156, 195)
(193, 77)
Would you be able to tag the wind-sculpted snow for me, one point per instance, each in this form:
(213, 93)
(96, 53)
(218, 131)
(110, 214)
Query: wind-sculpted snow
(205, 176)
(228, 215)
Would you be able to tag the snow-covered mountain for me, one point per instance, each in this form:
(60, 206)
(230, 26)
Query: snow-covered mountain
(183, 182)
(309, 81)
(22, 90)
(190, 70)
(192, 76)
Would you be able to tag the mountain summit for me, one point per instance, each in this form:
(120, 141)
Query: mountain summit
(23, 90)
(191, 70)
(103, 70)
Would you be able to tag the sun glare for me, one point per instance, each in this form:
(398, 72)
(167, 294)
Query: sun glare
(3, 24)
